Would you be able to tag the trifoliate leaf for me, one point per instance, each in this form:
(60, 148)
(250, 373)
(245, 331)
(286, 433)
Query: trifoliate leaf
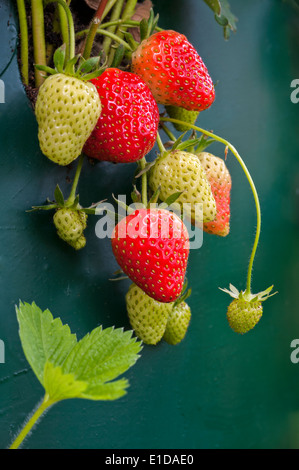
(68, 368)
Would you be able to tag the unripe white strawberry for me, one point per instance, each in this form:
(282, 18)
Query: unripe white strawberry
(147, 316)
(177, 323)
(178, 171)
(67, 110)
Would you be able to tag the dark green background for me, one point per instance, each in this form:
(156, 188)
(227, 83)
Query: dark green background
(216, 389)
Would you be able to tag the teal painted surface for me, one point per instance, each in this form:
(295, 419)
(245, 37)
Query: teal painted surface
(215, 389)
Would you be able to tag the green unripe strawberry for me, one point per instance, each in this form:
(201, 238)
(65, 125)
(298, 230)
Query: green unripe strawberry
(177, 323)
(67, 110)
(243, 315)
(79, 243)
(246, 310)
(175, 112)
(70, 224)
(147, 316)
(179, 171)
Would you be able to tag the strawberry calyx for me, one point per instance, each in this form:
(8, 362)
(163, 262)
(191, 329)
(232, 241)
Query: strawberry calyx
(248, 296)
(77, 66)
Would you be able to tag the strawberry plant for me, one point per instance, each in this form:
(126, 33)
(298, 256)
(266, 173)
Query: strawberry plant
(106, 94)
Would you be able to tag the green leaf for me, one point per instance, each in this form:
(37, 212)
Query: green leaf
(223, 15)
(102, 355)
(68, 368)
(43, 338)
(214, 5)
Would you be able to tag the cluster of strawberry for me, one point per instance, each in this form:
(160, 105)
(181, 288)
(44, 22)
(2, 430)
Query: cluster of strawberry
(114, 117)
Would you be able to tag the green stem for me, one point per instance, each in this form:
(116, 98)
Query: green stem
(93, 28)
(127, 23)
(64, 29)
(114, 17)
(72, 195)
(142, 164)
(23, 41)
(46, 403)
(126, 15)
(160, 143)
(39, 43)
(168, 132)
(251, 183)
(71, 27)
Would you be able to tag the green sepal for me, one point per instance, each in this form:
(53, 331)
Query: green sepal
(147, 167)
(135, 195)
(184, 294)
(70, 65)
(86, 66)
(143, 29)
(118, 56)
(46, 69)
(173, 198)
(59, 59)
(59, 196)
(91, 75)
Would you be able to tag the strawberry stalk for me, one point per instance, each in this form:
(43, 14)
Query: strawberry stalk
(70, 37)
(115, 15)
(251, 183)
(39, 43)
(71, 199)
(126, 15)
(142, 165)
(64, 26)
(23, 41)
(45, 404)
(93, 29)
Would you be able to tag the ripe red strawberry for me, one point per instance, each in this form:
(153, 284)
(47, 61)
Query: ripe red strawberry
(127, 128)
(174, 71)
(152, 247)
(220, 181)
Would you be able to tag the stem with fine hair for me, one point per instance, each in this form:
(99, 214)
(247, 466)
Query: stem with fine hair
(93, 29)
(115, 15)
(126, 15)
(39, 42)
(64, 28)
(45, 404)
(70, 24)
(251, 183)
(72, 195)
(23, 41)
(142, 164)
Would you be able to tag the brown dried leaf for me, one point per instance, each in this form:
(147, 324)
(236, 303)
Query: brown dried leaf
(93, 3)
